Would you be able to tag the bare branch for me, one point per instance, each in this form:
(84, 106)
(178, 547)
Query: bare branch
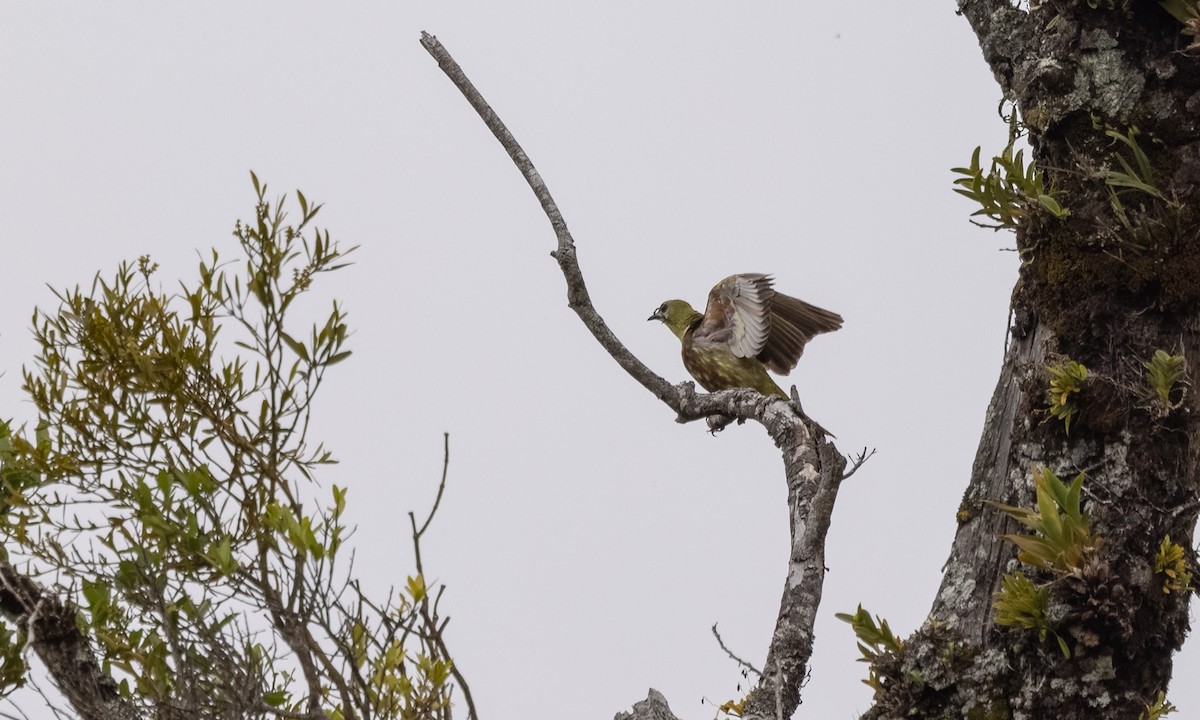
(50, 704)
(441, 486)
(733, 657)
(812, 465)
(859, 459)
(577, 294)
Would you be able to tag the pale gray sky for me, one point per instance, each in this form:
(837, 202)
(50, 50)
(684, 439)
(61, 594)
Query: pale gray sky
(588, 541)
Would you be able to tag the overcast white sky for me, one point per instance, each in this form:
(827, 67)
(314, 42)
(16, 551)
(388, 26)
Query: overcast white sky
(587, 540)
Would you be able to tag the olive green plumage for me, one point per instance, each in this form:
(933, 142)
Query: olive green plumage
(746, 329)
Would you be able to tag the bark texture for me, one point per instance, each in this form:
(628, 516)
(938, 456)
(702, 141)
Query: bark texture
(1106, 287)
(654, 707)
(50, 628)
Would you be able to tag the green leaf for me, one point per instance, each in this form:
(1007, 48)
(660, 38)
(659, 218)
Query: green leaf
(296, 346)
(1074, 494)
(416, 588)
(1177, 8)
(1052, 205)
(337, 358)
(1062, 645)
(1034, 550)
(97, 596)
(339, 500)
(1048, 510)
(220, 556)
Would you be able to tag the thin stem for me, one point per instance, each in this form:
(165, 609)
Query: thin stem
(733, 657)
(434, 630)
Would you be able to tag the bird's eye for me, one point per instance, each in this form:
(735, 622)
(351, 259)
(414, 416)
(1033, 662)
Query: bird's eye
(662, 308)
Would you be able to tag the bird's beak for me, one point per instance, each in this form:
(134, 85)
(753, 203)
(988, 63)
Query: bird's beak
(658, 315)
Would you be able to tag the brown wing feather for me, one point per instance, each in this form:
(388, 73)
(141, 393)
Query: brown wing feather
(737, 315)
(793, 323)
(746, 316)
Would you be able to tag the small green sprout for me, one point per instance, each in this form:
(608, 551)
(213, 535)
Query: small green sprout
(1171, 562)
(1062, 531)
(875, 641)
(1009, 191)
(1022, 604)
(1066, 380)
(1137, 175)
(1060, 543)
(1158, 709)
(1137, 178)
(1164, 372)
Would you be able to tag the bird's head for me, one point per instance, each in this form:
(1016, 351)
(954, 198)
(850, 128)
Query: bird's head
(676, 315)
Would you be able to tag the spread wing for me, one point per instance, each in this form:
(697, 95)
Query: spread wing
(793, 323)
(737, 315)
(746, 315)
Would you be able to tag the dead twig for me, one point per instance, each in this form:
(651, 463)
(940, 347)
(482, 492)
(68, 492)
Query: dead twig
(733, 657)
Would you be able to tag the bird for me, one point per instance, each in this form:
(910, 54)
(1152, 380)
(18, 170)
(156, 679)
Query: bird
(746, 329)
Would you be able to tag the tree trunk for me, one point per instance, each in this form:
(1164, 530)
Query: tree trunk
(1106, 286)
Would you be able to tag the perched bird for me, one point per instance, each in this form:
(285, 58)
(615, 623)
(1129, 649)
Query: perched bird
(746, 329)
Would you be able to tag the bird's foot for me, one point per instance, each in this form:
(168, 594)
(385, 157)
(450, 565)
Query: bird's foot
(717, 423)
